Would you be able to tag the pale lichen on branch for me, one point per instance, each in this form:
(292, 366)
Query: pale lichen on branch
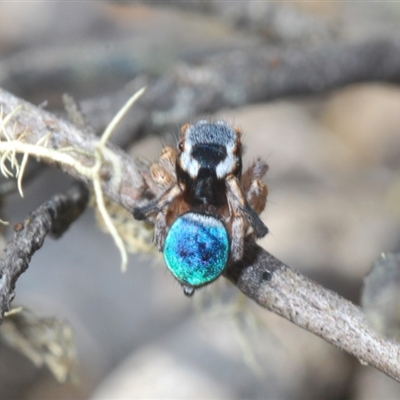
(260, 276)
(64, 156)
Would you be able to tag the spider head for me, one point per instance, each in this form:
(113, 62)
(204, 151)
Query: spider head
(210, 149)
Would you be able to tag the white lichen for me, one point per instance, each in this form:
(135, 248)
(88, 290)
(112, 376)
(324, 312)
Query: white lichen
(10, 166)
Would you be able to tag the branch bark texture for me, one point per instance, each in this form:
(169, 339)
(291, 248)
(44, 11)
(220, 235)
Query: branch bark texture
(65, 135)
(54, 217)
(260, 276)
(284, 291)
(259, 74)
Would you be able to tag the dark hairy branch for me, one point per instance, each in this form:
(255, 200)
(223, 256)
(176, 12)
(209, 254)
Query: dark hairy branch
(54, 217)
(260, 276)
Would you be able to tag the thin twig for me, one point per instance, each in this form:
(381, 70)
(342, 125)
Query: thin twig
(260, 276)
(132, 176)
(54, 216)
(279, 21)
(284, 291)
(246, 76)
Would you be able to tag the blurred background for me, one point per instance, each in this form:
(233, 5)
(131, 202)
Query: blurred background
(333, 207)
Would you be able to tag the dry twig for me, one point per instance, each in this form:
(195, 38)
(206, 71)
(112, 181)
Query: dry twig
(54, 216)
(123, 185)
(284, 291)
(278, 21)
(246, 76)
(260, 276)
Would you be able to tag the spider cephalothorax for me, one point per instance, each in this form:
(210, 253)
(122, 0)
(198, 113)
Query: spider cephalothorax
(208, 154)
(202, 195)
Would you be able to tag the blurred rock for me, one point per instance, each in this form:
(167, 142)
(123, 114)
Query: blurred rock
(367, 118)
(27, 29)
(371, 384)
(204, 361)
(155, 374)
(297, 147)
(369, 20)
(380, 297)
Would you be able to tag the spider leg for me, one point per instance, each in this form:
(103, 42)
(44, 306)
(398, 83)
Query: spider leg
(160, 229)
(160, 226)
(163, 175)
(238, 231)
(255, 189)
(162, 172)
(156, 205)
(141, 213)
(159, 206)
(238, 225)
(259, 228)
(254, 172)
(257, 195)
(168, 160)
(238, 203)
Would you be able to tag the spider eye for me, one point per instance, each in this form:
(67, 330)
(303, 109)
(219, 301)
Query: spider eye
(180, 146)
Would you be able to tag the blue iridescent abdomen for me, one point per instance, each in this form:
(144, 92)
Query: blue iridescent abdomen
(196, 249)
